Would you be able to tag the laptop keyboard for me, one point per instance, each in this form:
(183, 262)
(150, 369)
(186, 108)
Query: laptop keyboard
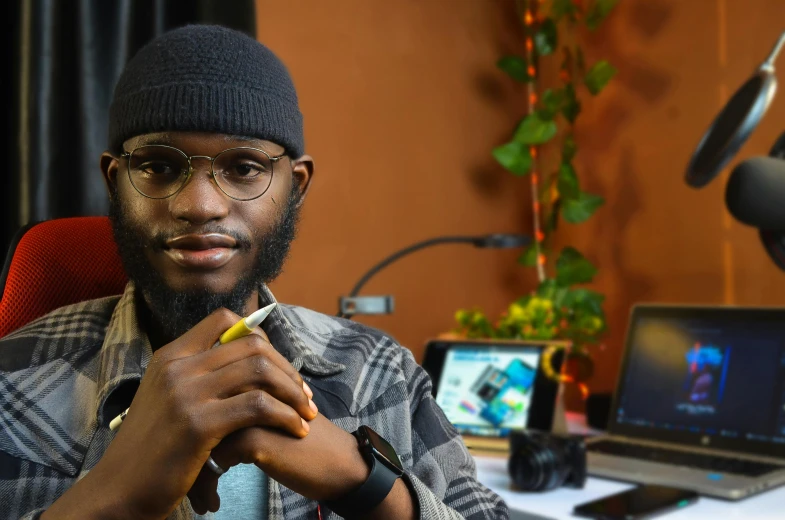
(681, 458)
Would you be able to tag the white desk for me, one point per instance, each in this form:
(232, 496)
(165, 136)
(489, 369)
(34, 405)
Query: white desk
(492, 471)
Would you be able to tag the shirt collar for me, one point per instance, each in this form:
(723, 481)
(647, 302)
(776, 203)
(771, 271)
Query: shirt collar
(285, 339)
(126, 351)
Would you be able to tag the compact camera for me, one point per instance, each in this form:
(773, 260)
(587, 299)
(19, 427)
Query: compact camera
(541, 461)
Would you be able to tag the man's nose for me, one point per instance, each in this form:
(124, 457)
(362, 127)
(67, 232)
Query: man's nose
(200, 200)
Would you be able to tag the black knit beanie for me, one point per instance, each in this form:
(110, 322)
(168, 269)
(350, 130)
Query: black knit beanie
(211, 79)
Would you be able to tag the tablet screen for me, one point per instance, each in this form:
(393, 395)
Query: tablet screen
(488, 391)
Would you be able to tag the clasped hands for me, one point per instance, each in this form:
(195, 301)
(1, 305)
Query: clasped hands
(242, 402)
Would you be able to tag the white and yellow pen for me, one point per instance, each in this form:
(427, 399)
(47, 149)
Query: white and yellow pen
(242, 328)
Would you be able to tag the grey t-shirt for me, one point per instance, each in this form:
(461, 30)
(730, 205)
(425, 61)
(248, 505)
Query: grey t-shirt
(243, 492)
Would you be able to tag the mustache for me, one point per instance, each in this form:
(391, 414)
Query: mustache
(159, 240)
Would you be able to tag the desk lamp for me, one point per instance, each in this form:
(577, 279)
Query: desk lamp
(350, 305)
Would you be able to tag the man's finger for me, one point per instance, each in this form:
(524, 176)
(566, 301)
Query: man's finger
(259, 372)
(204, 492)
(200, 338)
(254, 408)
(242, 348)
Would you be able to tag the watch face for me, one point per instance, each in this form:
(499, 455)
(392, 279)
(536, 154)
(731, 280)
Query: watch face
(383, 448)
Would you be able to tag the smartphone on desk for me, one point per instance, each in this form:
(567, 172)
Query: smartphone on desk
(641, 502)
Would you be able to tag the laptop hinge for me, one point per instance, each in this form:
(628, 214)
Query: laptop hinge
(691, 449)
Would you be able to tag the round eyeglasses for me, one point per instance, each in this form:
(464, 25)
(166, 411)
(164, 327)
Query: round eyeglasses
(159, 171)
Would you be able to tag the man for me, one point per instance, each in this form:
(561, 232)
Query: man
(206, 174)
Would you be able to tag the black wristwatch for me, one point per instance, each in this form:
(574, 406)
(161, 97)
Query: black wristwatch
(385, 467)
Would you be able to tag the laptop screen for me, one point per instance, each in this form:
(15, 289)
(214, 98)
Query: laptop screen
(488, 391)
(712, 374)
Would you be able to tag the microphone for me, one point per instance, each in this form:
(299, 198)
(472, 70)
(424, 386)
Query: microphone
(755, 193)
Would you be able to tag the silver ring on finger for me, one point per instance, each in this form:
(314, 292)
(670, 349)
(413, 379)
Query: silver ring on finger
(215, 468)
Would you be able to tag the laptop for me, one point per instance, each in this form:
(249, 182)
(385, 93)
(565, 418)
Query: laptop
(488, 389)
(700, 401)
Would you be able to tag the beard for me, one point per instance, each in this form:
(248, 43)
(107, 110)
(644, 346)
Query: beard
(176, 312)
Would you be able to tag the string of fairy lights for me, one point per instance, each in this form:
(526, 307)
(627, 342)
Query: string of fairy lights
(539, 235)
(529, 19)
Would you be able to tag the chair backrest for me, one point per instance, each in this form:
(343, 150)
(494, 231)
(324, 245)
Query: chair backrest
(55, 263)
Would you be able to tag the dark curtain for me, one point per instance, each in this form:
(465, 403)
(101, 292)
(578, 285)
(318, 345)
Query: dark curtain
(61, 61)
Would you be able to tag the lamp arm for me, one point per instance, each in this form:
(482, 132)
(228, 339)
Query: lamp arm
(403, 252)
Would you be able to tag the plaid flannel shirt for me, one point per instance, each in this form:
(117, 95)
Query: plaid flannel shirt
(59, 373)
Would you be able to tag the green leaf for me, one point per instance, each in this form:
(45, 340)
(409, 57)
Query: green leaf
(535, 130)
(586, 312)
(550, 220)
(598, 12)
(586, 302)
(475, 324)
(568, 182)
(514, 156)
(568, 149)
(561, 8)
(599, 76)
(573, 268)
(571, 107)
(552, 101)
(515, 67)
(551, 289)
(529, 257)
(579, 209)
(559, 296)
(545, 40)
(547, 288)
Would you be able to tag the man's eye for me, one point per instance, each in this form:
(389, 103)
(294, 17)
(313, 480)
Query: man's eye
(246, 170)
(159, 169)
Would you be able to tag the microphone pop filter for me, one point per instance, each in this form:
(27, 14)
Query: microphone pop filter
(731, 129)
(735, 122)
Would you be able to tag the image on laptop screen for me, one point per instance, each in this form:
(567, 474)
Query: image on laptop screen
(714, 373)
(488, 391)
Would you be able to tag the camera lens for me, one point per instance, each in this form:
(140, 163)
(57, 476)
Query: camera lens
(537, 465)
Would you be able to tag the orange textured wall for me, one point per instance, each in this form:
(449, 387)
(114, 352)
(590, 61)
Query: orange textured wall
(403, 104)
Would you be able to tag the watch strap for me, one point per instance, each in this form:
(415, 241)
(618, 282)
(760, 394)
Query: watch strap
(370, 494)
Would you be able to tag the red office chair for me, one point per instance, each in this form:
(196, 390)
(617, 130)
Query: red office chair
(55, 263)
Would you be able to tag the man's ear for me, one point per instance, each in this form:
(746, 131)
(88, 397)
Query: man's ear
(302, 173)
(110, 165)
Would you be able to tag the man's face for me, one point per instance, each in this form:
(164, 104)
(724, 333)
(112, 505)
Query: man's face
(200, 249)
